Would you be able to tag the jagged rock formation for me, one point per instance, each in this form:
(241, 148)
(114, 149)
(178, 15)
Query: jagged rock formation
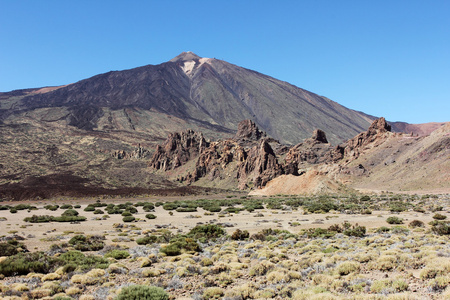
(177, 150)
(137, 153)
(248, 131)
(251, 159)
(248, 156)
(377, 130)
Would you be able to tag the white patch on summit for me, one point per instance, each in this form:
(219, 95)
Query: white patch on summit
(189, 65)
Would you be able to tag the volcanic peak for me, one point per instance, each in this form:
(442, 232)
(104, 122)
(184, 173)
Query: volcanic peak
(185, 56)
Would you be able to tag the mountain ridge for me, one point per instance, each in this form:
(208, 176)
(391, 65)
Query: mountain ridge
(206, 92)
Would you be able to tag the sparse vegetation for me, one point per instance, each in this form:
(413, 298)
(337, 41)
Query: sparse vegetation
(142, 292)
(207, 260)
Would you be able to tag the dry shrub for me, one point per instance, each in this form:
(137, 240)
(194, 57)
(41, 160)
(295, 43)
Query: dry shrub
(92, 277)
(225, 279)
(219, 268)
(153, 272)
(278, 277)
(267, 293)
(40, 293)
(51, 277)
(145, 262)
(213, 293)
(237, 265)
(439, 267)
(261, 268)
(383, 263)
(245, 291)
(440, 283)
(348, 267)
(205, 262)
(20, 287)
(73, 291)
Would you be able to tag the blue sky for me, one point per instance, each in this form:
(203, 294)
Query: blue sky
(385, 58)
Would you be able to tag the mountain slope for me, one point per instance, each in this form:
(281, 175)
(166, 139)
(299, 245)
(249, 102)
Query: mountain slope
(207, 94)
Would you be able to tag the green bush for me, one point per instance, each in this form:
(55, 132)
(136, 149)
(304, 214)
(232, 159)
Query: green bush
(355, 230)
(212, 208)
(148, 207)
(69, 219)
(46, 218)
(398, 206)
(11, 247)
(66, 206)
(240, 235)
(24, 207)
(24, 263)
(416, 223)
(142, 292)
(147, 240)
(439, 217)
(319, 232)
(51, 207)
(129, 219)
(150, 216)
(441, 228)
(365, 198)
(170, 206)
(126, 214)
(84, 243)
(186, 209)
(179, 245)
(38, 219)
(383, 229)
(117, 254)
(73, 260)
(89, 208)
(131, 209)
(394, 220)
(209, 231)
(70, 213)
(322, 205)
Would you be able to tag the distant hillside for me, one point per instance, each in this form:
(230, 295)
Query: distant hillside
(203, 93)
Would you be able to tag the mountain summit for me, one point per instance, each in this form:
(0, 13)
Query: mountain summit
(185, 56)
(189, 91)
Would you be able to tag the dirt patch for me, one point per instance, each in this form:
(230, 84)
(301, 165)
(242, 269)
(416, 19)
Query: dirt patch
(69, 185)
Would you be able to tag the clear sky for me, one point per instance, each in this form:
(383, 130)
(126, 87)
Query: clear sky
(386, 58)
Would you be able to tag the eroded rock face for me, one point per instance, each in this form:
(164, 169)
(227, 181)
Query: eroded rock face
(252, 159)
(319, 136)
(312, 151)
(260, 167)
(248, 156)
(177, 150)
(137, 153)
(248, 131)
(374, 135)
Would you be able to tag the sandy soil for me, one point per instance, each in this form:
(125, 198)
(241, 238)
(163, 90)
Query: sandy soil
(40, 236)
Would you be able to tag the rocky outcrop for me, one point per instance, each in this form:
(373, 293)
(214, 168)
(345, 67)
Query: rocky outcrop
(178, 149)
(252, 159)
(312, 151)
(137, 153)
(248, 156)
(248, 131)
(260, 167)
(319, 136)
(375, 135)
